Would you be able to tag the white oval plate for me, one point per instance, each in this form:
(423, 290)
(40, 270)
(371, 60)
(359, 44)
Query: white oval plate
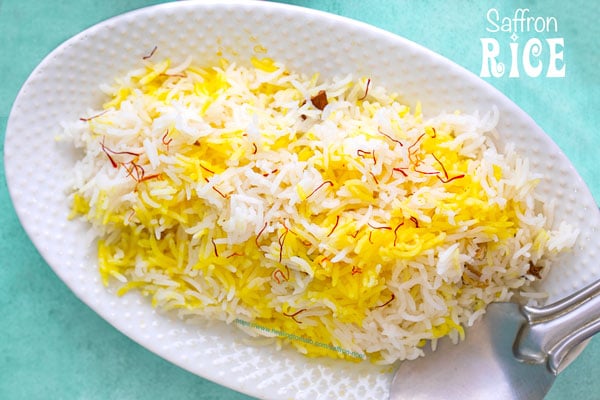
(65, 86)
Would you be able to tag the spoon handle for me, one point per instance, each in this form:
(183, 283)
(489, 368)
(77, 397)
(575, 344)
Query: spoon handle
(554, 330)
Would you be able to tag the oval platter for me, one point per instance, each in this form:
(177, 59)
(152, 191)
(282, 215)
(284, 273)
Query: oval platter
(65, 86)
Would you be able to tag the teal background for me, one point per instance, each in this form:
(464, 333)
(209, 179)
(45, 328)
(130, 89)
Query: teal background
(52, 346)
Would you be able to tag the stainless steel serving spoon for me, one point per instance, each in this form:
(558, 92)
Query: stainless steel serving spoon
(513, 352)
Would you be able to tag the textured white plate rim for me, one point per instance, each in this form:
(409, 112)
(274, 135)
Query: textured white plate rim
(23, 212)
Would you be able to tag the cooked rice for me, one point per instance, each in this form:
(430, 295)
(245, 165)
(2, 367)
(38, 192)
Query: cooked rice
(233, 193)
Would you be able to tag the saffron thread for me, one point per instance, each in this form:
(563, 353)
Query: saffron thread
(415, 221)
(283, 276)
(293, 316)
(364, 96)
(387, 302)
(215, 247)
(374, 178)
(451, 179)
(148, 177)
(108, 151)
(425, 172)
(362, 153)
(415, 143)
(389, 137)
(260, 233)
(396, 232)
(441, 165)
(93, 116)
(337, 220)
(218, 191)
(151, 53)
(206, 169)
(281, 241)
(401, 170)
(165, 141)
(319, 187)
(389, 228)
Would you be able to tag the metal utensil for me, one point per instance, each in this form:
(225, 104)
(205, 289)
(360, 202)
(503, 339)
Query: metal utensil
(513, 352)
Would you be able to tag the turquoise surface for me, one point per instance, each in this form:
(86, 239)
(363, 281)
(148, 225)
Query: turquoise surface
(52, 346)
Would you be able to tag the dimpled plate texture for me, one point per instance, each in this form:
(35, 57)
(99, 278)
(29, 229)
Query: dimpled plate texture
(64, 87)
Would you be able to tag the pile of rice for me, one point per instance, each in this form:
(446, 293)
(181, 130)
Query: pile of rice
(327, 211)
